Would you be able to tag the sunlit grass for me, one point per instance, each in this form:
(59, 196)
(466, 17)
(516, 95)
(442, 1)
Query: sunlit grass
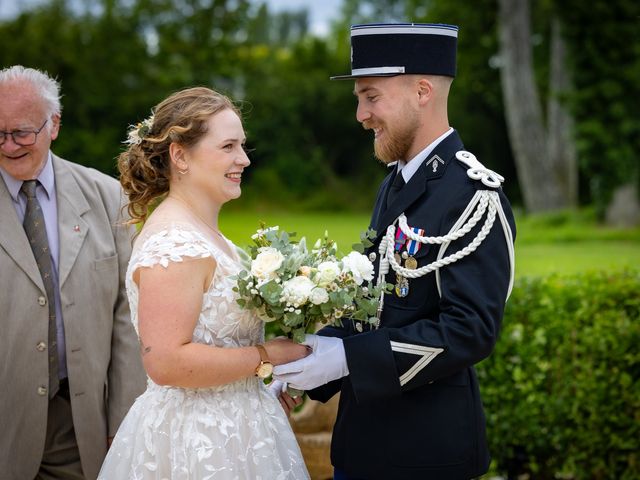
(344, 228)
(566, 258)
(563, 243)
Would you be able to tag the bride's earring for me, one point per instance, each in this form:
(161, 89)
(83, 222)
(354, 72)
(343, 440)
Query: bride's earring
(183, 172)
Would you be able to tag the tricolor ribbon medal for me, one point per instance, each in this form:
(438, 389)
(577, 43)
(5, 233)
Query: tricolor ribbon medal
(413, 246)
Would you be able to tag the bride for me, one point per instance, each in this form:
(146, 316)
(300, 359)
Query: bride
(206, 413)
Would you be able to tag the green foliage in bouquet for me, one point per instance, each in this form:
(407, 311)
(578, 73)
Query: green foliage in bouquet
(299, 289)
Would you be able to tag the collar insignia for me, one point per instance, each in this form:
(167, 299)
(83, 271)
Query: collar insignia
(434, 163)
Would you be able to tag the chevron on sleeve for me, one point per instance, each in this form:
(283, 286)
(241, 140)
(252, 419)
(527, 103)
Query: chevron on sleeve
(427, 354)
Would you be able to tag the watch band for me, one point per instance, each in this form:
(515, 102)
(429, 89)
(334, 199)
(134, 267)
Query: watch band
(265, 367)
(264, 357)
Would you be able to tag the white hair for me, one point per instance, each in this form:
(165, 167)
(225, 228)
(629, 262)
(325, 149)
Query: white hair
(48, 88)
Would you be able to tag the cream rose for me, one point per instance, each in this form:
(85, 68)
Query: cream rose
(305, 270)
(327, 273)
(266, 264)
(359, 266)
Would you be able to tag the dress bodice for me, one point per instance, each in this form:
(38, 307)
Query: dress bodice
(222, 322)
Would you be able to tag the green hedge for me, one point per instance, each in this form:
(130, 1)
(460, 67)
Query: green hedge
(562, 389)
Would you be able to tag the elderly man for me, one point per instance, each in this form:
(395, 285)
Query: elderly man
(410, 404)
(69, 361)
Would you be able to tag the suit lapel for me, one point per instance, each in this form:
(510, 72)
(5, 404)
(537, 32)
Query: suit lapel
(72, 229)
(14, 240)
(432, 168)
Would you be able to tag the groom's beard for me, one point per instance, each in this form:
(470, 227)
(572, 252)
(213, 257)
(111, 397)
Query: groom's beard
(397, 138)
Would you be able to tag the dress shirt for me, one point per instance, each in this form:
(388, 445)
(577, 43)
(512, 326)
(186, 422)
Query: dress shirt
(411, 167)
(46, 195)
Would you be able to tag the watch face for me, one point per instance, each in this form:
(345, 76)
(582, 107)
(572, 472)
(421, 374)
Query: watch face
(264, 370)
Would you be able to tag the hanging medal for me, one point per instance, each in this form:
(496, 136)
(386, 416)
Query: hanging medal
(402, 284)
(410, 262)
(413, 246)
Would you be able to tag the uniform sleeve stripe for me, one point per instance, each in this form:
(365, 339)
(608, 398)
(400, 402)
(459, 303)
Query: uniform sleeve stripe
(427, 354)
(411, 348)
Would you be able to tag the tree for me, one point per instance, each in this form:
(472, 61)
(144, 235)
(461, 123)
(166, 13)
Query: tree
(545, 157)
(603, 41)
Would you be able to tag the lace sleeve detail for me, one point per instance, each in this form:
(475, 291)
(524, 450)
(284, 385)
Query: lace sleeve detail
(170, 245)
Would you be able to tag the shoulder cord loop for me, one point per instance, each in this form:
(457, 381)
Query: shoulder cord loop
(482, 201)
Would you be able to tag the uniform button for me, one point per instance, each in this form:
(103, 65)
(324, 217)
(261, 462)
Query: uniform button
(372, 257)
(42, 301)
(41, 346)
(42, 391)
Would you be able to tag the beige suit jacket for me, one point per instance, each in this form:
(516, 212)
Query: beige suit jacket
(103, 360)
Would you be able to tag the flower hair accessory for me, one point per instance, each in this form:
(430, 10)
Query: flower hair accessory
(138, 132)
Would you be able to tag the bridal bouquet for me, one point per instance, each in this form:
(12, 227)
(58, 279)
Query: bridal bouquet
(297, 288)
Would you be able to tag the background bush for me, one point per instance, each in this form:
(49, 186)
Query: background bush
(562, 389)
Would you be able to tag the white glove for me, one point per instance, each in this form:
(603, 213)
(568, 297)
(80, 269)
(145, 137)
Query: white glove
(276, 387)
(326, 363)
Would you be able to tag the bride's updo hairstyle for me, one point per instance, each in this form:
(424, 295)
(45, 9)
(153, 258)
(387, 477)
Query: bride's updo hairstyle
(145, 167)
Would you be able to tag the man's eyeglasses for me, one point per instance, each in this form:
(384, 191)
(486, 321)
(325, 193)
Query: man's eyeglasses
(24, 138)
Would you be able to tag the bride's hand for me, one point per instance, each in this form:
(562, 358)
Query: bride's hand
(277, 388)
(282, 350)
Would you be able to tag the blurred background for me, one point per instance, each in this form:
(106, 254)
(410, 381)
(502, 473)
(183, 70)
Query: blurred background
(546, 94)
(564, 131)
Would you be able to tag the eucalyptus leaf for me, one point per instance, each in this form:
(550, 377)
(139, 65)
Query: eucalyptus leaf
(299, 335)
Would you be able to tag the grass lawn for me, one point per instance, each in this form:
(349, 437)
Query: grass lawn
(568, 243)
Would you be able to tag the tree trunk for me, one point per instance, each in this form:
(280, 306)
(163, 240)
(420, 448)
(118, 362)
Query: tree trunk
(536, 173)
(562, 150)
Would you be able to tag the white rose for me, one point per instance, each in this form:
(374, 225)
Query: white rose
(296, 291)
(327, 273)
(359, 266)
(266, 263)
(318, 296)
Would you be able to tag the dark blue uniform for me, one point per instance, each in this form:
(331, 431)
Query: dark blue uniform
(410, 407)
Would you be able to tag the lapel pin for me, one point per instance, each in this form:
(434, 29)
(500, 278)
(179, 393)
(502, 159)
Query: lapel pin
(76, 228)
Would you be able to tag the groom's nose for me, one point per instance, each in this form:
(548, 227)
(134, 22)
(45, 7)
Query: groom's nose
(362, 114)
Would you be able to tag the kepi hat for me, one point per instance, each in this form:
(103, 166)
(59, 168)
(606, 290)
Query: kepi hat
(388, 49)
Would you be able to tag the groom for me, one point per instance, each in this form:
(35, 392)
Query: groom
(410, 404)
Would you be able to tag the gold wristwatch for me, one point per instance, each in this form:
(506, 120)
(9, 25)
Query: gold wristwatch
(265, 369)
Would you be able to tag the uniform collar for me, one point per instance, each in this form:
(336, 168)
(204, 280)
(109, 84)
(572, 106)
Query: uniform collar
(409, 168)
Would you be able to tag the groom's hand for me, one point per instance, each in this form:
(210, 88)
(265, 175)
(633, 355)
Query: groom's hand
(326, 363)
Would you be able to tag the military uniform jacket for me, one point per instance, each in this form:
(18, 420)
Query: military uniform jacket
(103, 360)
(410, 407)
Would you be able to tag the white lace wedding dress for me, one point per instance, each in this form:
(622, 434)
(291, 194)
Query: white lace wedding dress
(235, 431)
